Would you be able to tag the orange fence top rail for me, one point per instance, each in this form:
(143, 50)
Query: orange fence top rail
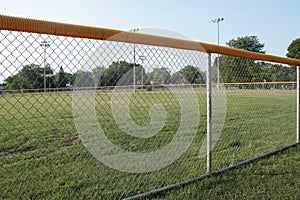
(71, 30)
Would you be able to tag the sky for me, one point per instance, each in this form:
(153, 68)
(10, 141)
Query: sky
(275, 22)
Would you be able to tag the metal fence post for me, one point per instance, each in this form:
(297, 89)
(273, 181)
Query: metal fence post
(298, 104)
(209, 115)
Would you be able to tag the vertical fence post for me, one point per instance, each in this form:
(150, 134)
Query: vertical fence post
(209, 115)
(298, 104)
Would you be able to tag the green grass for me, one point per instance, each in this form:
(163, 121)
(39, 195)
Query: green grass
(276, 177)
(42, 156)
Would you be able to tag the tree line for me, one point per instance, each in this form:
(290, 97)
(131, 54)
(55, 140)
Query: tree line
(34, 76)
(117, 73)
(232, 69)
(235, 69)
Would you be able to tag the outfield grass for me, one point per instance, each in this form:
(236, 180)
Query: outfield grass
(276, 177)
(42, 156)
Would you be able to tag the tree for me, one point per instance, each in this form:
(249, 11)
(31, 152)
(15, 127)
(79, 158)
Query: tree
(31, 76)
(61, 79)
(13, 82)
(49, 77)
(178, 78)
(192, 74)
(249, 43)
(294, 49)
(235, 69)
(69, 78)
(141, 75)
(98, 73)
(83, 78)
(120, 73)
(160, 75)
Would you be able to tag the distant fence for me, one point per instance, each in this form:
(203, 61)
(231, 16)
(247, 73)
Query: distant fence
(96, 113)
(289, 85)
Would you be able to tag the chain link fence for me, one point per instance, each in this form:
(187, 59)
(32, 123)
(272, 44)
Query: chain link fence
(87, 118)
(261, 109)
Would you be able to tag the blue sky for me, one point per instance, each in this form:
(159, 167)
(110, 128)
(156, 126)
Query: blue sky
(275, 22)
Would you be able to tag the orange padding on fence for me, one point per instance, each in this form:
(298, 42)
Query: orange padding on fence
(71, 30)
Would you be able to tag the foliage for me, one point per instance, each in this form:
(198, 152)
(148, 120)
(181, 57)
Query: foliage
(188, 74)
(98, 73)
(249, 43)
(237, 70)
(294, 49)
(276, 72)
(62, 78)
(83, 78)
(160, 75)
(234, 69)
(115, 72)
(31, 76)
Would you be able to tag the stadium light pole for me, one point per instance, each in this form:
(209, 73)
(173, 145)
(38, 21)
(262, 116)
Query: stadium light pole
(45, 45)
(218, 20)
(142, 58)
(134, 30)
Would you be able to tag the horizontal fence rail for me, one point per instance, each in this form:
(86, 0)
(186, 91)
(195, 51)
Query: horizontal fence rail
(90, 112)
(61, 29)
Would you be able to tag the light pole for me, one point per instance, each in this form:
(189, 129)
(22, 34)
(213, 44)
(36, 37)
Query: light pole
(142, 58)
(218, 20)
(134, 30)
(45, 45)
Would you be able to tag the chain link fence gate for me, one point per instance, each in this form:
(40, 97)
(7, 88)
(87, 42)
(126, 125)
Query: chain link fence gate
(114, 117)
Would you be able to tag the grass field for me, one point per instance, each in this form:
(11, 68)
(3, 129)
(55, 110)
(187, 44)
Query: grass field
(43, 157)
(276, 177)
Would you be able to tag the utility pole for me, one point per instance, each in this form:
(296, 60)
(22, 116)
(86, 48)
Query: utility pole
(45, 45)
(142, 58)
(218, 20)
(134, 75)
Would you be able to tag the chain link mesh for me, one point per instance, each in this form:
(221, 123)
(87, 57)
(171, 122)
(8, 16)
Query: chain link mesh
(261, 109)
(45, 155)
